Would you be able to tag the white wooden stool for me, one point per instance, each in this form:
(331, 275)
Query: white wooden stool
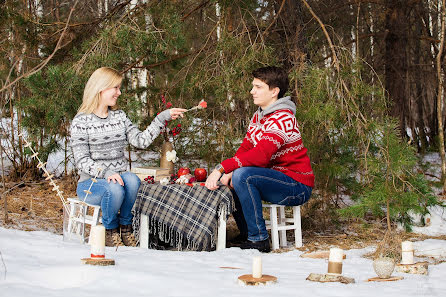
(221, 232)
(79, 217)
(278, 223)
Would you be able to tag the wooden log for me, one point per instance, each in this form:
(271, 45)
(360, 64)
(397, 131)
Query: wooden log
(390, 279)
(325, 278)
(417, 268)
(249, 280)
(99, 262)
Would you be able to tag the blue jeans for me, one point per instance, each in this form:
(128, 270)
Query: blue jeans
(116, 201)
(254, 184)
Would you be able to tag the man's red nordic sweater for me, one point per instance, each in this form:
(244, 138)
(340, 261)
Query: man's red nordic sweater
(274, 142)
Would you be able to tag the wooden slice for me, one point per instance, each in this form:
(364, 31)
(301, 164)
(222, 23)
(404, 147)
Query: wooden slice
(327, 277)
(100, 262)
(417, 268)
(390, 279)
(248, 280)
(318, 255)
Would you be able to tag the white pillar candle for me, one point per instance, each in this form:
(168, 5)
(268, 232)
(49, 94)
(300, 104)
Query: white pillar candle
(97, 241)
(407, 252)
(257, 267)
(407, 246)
(407, 258)
(336, 255)
(335, 261)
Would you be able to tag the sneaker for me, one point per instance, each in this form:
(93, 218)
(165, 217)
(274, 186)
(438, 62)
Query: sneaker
(127, 235)
(113, 238)
(262, 246)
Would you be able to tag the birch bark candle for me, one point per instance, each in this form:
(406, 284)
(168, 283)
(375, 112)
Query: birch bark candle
(407, 252)
(335, 261)
(97, 242)
(257, 267)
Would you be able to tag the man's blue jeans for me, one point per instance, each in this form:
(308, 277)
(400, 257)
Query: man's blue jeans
(254, 184)
(116, 201)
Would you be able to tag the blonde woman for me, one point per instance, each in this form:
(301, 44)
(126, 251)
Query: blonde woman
(100, 133)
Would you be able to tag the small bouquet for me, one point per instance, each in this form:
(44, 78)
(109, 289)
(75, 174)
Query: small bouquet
(203, 104)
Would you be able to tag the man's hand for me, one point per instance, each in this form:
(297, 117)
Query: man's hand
(226, 179)
(115, 178)
(211, 182)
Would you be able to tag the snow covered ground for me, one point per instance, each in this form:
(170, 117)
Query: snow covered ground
(41, 264)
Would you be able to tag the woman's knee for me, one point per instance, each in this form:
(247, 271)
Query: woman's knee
(131, 180)
(115, 190)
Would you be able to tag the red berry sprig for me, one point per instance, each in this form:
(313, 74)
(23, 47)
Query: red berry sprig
(150, 179)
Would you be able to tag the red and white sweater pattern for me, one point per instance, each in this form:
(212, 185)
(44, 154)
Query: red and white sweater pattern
(274, 142)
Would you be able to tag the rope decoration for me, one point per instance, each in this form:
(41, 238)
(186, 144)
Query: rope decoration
(47, 175)
(93, 180)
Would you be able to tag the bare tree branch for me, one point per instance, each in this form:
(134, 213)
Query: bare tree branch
(43, 63)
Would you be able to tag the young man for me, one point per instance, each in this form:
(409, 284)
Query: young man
(271, 164)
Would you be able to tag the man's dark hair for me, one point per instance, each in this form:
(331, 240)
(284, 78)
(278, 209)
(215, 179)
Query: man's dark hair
(273, 77)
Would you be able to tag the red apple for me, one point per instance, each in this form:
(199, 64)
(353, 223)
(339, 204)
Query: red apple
(183, 171)
(200, 174)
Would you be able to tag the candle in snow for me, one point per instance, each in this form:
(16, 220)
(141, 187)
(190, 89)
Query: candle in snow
(97, 241)
(335, 261)
(407, 252)
(257, 267)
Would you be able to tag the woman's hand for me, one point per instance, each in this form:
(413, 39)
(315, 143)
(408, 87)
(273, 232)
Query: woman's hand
(226, 179)
(175, 113)
(116, 178)
(211, 181)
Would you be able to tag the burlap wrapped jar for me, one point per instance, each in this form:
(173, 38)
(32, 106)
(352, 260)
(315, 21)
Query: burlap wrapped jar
(166, 147)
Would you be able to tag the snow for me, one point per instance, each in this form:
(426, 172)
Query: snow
(40, 263)
(437, 223)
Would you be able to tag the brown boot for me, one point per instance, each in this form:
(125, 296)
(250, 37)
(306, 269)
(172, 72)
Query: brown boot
(112, 238)
(127, 235)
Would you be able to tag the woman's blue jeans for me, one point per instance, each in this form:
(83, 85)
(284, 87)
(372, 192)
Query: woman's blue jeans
(254, 184)
(116, 201)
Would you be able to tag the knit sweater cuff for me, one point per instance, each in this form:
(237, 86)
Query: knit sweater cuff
(164, 116)
(109, 173)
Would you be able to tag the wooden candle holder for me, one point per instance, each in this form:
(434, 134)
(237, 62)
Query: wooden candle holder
(99, 262)
(417, 268)
(389, 279)
(249, 280)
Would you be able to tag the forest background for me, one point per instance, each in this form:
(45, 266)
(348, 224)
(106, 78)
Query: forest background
(366, 75)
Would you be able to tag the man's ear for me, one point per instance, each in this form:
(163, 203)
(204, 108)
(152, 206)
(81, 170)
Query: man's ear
(276, 91)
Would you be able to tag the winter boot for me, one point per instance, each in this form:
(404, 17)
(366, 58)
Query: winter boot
(127, 235)
(112, 238)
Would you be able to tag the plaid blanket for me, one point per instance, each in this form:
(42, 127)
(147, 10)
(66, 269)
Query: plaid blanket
(185, 217)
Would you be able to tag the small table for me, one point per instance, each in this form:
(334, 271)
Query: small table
(186, 216)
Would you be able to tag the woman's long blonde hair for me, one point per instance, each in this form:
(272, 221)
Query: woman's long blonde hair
(102, 79)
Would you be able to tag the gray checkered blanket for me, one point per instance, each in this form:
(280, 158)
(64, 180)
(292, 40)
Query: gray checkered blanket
(182, 216)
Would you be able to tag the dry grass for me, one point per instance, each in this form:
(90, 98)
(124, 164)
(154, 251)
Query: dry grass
(34, 206)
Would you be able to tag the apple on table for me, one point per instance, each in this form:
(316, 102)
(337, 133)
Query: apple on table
(200, 174)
